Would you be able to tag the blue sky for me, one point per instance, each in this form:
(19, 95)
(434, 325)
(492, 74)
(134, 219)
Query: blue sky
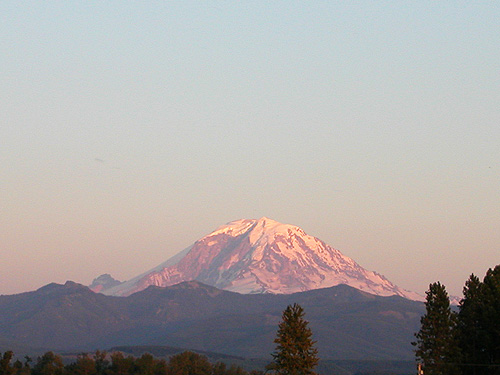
(131, 129)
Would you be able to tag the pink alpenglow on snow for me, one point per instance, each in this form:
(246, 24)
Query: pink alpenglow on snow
(262, 256)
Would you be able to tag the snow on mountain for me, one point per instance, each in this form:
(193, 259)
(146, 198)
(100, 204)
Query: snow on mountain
(262, 256)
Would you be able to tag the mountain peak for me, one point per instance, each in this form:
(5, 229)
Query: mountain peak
(262, 256)
(266, 222)
(257, 227)
(103, 282)
(62, 288)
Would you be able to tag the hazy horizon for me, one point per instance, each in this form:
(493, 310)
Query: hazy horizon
(131, 130)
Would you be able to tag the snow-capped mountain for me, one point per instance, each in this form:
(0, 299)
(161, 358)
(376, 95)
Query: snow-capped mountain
(262, 256)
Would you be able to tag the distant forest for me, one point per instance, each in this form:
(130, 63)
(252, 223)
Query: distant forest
(103, 363)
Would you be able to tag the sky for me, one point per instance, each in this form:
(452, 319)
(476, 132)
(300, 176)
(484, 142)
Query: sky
(129, 130)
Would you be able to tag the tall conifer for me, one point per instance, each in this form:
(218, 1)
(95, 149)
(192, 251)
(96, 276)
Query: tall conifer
(295, 352)
(437, 347)
(491, 318)
(471, 332)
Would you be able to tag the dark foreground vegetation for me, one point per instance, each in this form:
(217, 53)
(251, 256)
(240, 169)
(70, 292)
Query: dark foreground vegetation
(85, 364)
(102, 363)
(295, 354)
(466, 342)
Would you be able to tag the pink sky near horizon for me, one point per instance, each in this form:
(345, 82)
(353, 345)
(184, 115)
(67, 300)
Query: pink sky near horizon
(129, 131)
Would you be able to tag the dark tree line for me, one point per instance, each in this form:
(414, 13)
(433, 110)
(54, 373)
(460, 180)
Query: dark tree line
(466, 342)
(102, 363)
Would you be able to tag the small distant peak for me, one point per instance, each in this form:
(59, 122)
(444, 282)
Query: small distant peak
(106, 277)
(103, 282)
(49, 287)
(54, 287)
(71, 285)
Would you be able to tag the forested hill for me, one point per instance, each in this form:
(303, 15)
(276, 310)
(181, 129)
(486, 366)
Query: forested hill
(347, 323)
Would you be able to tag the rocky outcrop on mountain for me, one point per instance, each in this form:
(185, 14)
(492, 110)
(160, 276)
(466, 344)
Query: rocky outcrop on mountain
(103, 282)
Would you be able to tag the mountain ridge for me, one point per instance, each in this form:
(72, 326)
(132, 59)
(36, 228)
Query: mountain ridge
(347, 323)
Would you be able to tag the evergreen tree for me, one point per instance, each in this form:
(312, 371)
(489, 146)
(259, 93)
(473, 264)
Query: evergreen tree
(24, 368)
(471, 330)
(490, 319)
(5, 367)
(160, 367)
(121, 365)
(189, 363)
(219, 368)
(437, 346)
(48, 364)
(101, 363)
(295, 353)
(145, 365)
(19, 369)
(84, 365)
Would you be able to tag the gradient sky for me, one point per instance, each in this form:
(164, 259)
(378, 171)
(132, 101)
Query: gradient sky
(129, 130)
